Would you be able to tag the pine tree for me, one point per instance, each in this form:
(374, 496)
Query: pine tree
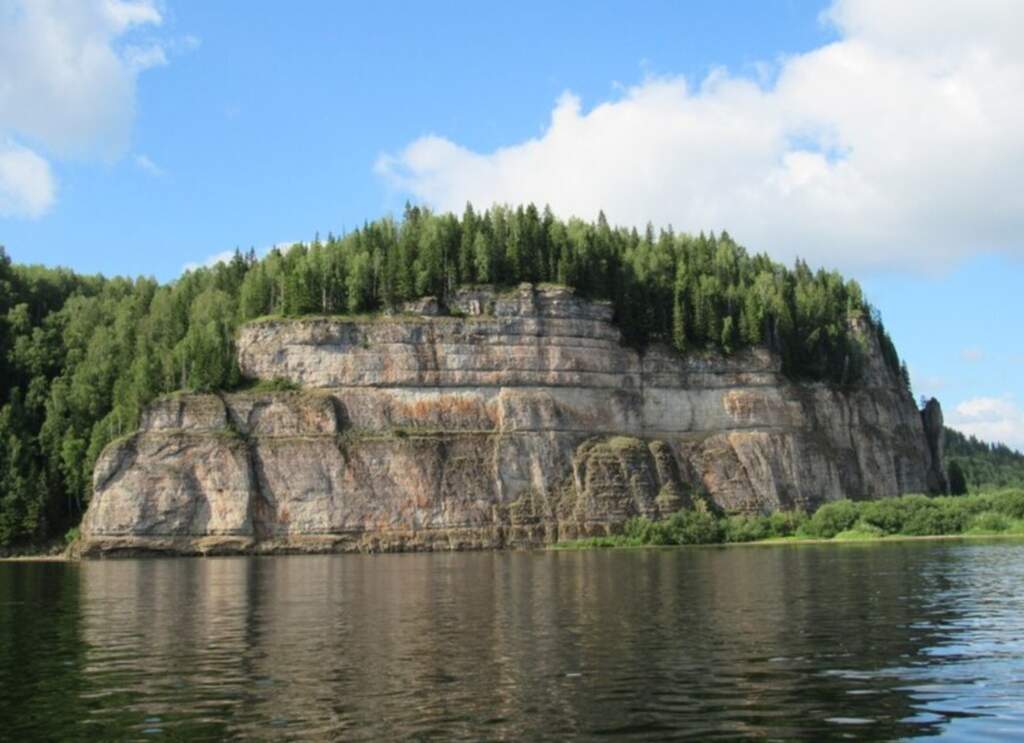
(679, 340)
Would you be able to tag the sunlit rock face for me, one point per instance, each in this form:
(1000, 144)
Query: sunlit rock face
(518, 419)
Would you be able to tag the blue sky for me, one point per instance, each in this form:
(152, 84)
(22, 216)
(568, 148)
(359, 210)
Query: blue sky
(883, 139)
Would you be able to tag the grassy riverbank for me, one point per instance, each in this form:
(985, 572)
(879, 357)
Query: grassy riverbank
(999, 513)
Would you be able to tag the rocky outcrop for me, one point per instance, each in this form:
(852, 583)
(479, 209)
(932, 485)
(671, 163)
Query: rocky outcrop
(517, 419)
(934, 434)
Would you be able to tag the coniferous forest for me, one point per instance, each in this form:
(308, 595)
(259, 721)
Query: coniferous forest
(975, 465)
(80, 356)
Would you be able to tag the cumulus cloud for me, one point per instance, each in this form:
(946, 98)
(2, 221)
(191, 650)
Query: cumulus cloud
(898, 145)
(27, 187)
(67, 88)
(991, 419)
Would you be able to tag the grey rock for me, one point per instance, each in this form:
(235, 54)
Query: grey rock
(518, 420)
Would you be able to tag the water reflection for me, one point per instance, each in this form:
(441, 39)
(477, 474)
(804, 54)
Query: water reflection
(823, 642)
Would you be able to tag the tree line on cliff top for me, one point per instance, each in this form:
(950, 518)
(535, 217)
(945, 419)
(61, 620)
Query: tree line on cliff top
(80, 356)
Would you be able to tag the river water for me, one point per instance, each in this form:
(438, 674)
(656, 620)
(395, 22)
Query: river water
(821, 642)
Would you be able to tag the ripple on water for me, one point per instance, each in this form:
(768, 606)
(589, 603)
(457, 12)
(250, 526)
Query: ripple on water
(893, 641)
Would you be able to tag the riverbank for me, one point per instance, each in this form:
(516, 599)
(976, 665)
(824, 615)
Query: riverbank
(619, 543)
(981, 515)
(52, 551)
(989, 515)
(616, 543)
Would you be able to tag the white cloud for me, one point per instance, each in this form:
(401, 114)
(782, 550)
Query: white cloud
(991, 419)
(67, 86)
(148, 165)
(897, 145)
(27, 187)
(972, 354)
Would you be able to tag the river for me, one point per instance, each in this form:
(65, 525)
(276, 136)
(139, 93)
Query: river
(822, 642)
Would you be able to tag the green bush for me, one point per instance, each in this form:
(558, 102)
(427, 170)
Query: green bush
(831, 519)
(693, 527)
(683, 527)
(639, 530)
(860, 530)
(939, 516)
(1008, 502)
(747, 528)
(989, 521)
(891, 515)
(909, 515)
(786, 523)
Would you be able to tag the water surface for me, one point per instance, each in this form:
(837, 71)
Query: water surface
(828, 641)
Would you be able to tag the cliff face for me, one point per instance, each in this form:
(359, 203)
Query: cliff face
(521, 420)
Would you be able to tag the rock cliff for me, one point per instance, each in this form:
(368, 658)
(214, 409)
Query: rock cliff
(517, 419)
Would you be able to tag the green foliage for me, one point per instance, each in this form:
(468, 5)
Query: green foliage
(938, 516)
(831, 519)
(80, 357)
(267, 385)
(747, 529)
(639, 530)
(956, 478)
(692, 527)
(708, 527)
(910, 515)
(783, 524)
(983, 466)
(890, 515)
(989, 522)
(1007, 502)
(684, 527)
(859, 531)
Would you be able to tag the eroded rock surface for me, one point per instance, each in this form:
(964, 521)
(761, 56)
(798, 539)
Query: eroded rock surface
(520, 420)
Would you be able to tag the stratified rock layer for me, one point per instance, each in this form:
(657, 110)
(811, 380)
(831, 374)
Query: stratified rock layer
(520, 420)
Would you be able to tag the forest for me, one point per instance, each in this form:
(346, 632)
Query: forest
(81, 356)
(975, 465)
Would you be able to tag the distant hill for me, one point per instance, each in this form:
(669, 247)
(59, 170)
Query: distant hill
(984, 465)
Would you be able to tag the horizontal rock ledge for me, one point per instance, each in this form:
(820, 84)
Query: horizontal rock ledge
(523, 422)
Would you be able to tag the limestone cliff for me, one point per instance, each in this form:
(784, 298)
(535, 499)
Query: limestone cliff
(519, 418)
